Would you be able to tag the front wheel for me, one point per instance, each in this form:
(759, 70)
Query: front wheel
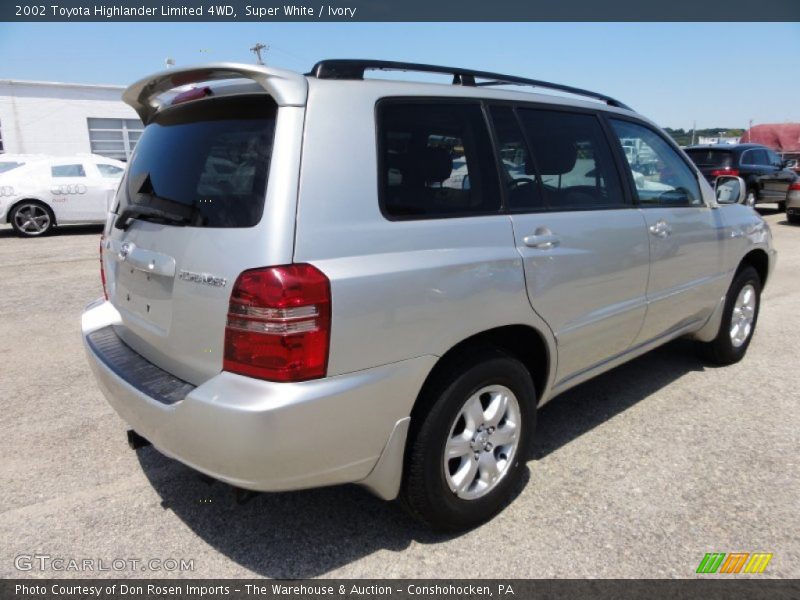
(31, 219)
(466, 457)
(739, 318)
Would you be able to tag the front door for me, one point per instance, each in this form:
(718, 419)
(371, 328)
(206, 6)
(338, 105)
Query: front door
(686, 278)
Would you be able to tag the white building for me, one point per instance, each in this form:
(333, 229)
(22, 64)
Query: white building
(717, 140)
(38, 117)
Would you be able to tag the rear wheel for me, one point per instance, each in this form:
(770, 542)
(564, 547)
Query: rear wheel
(739, 318)
(465, 459)
(782, 206)
(31, 219)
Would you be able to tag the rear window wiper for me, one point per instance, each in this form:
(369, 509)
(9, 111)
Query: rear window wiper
(148, 213)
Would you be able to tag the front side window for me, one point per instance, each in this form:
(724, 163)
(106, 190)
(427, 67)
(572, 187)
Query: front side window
(774, 159)
(111, 171)
(67, 171)
(573, 158)
(660, 175)
(435, 161)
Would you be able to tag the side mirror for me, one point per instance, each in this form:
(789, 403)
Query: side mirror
(730, 190)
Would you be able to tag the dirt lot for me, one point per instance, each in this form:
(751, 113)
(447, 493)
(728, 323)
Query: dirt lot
(636, 474)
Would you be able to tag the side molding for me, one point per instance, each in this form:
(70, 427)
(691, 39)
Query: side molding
(384, 479)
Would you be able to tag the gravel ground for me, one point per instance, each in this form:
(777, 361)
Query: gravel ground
(636, 474)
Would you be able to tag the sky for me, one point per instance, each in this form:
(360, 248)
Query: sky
(714, 74)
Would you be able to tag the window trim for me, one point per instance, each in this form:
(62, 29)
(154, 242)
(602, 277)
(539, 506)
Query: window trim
(444, 100)
(608, 116)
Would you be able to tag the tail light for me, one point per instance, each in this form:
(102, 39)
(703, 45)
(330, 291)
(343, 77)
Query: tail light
(726, 172)
(795, 187)
(279, 322)
(102, 269)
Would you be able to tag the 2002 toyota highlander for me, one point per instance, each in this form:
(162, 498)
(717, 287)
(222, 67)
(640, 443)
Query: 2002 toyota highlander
(318, 279)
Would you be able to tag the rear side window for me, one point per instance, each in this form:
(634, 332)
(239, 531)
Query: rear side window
(207, 160)
(710, 158)
(573, 158)
(67, 171)
(756, 157)
(436, 160)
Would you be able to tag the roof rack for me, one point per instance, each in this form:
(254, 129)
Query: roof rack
(355, 68)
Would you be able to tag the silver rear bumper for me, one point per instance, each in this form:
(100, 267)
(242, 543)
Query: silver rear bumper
(263, 435)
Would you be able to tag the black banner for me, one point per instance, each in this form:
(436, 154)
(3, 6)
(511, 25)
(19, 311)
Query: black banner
(751, 588)
(407, 10)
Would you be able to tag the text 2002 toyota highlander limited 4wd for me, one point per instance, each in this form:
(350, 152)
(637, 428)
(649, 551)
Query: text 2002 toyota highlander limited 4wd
(317, 279)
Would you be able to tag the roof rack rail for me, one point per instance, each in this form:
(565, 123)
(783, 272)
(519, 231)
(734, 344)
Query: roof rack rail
(355, 68)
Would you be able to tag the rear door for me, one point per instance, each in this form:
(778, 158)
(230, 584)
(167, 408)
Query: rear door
(200, 170)
(583, 244)
(778, 179)
(684, 234)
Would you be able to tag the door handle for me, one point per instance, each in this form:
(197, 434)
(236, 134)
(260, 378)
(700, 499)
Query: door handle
(543, 241)
(660, 229)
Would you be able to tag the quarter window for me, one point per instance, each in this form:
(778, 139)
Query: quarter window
(660, 175)
(436, 161)
(755, 157)
(67, 171)
(573, 159)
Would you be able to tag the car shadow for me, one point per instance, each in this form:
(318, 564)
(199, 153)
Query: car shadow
(309, 533)
(61, 230)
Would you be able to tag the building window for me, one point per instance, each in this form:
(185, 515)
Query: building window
(114, 138)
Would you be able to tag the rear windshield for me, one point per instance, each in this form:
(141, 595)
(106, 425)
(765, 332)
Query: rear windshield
(710, 158)
(8, 165)
(208, 159)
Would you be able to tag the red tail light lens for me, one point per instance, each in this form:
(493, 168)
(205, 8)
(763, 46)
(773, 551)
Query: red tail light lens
(279, 322)
(102, 269)
(727, 171)
(795, 187)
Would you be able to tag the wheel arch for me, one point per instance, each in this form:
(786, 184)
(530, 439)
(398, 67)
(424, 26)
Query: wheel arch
(759, 260)
(31, 199)
(523, 342)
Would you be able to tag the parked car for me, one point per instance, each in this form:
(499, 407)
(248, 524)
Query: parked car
(793, 203)
(394, 277)
(764, 171)
(37, 193)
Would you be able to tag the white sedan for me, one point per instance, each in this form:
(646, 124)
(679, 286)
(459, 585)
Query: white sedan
(37, 193)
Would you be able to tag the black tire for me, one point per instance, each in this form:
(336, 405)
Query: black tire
(722, 350)
(41, 222)
(782, 206)
(425, 492)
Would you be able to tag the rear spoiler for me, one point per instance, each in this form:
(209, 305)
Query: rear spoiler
(287, 88)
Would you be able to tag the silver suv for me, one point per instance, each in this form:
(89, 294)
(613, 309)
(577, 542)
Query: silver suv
(319, 279)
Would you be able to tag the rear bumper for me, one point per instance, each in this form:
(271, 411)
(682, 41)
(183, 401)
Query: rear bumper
(263, 435)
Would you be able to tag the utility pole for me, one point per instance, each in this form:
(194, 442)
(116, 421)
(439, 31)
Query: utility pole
(257, 51)
(694, 128)
(748, 130)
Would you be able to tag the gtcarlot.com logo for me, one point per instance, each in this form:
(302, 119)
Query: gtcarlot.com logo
(735, 562)
(47, 562)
